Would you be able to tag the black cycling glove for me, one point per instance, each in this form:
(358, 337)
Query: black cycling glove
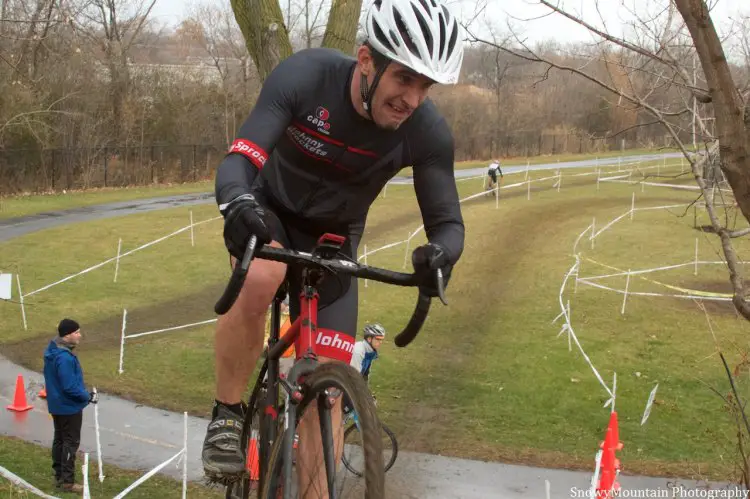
(243, 217)
(426, 259)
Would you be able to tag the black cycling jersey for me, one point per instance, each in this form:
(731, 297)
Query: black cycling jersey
(309, 152)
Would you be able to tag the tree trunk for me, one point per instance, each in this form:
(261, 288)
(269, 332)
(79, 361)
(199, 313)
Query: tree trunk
(3, 10)
(120, 79)
(39, 46)
(733, 136)
(266, 37)
(341, 30)
(308, 30)
(24, 65)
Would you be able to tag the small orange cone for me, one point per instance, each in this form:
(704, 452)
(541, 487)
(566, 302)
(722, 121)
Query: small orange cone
(19, 399)
(43, 392)
(252, 457)
(610, 465)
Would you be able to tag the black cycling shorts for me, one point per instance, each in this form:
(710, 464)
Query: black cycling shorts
(338, 295)
(493, 175)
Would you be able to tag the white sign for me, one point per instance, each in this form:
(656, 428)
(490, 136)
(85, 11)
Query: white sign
(5, 286)
(649, 404)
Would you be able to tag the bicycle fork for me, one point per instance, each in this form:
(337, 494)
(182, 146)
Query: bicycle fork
(290, 419)
(325, 403)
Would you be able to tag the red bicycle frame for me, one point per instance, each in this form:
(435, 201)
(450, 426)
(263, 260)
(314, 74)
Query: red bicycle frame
(303, 330)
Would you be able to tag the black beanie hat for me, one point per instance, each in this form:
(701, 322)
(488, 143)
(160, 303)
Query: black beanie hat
(67, 326)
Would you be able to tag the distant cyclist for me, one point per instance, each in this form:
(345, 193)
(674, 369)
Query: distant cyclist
(492, 173)
(366, 350)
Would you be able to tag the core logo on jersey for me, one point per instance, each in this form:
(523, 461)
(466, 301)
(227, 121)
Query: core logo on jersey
(320, 119)
(251, 151)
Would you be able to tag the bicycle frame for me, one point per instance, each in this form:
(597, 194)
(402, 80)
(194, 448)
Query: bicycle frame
(301, 334)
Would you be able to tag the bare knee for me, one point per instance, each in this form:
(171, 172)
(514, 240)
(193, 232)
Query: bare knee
(262, 281)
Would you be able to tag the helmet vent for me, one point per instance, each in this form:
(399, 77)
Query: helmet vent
(426, 33)
(405, 33)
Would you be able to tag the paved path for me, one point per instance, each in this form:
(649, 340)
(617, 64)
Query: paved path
(14, 227)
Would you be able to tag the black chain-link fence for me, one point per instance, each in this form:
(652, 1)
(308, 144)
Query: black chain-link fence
(528, 144)
(40, 170)
(44, 170)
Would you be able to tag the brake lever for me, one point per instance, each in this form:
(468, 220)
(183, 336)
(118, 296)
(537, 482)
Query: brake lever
(236, 281)
(249, 252)
(440, 286)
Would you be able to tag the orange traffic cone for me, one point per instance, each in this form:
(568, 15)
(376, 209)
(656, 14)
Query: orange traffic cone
(610, 465)
(19, 399)
(252, 457)
(43, 392)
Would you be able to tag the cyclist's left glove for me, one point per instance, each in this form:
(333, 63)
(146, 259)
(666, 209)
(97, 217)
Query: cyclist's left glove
(426, 259)
(244, 216)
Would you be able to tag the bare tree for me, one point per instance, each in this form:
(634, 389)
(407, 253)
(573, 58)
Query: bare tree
(729, 102)
(214, 29)
(27, 26)
(643, 69)
(113, 26)
(36, 32)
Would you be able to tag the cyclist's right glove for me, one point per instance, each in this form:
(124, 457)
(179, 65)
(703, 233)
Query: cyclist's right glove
(243, 217)
(426, 259)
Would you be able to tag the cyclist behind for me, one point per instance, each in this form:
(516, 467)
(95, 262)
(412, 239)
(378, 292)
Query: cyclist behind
(364, 354)
(366, 350)
(327, 132)
(492, 172)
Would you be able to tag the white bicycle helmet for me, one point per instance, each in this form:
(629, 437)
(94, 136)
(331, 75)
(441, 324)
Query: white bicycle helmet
(420, 34)
(374, 331)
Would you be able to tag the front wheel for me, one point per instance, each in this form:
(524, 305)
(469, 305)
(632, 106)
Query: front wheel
(332, 379)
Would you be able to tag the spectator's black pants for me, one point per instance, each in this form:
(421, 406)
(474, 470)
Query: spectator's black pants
(65, 445)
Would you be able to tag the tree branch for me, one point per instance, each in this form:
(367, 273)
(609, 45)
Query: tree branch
(139, 26)
(703, 97)
(739, 233)
(732, 260)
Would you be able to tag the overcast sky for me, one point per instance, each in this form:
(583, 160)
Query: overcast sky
(524, 14)
(538, 24)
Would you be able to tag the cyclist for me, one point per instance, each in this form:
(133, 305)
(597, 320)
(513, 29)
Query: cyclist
(366, 350)
(492, 172)
(365, 353)
(326, 134)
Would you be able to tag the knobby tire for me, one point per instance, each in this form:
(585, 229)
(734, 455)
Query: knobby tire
(348, 380)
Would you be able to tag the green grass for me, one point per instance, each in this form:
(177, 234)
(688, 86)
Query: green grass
(18, 206)
(488, 378)
(497, 372)
(33, 464)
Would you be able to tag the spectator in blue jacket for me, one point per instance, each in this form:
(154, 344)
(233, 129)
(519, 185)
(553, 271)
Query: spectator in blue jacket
(66, 398)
